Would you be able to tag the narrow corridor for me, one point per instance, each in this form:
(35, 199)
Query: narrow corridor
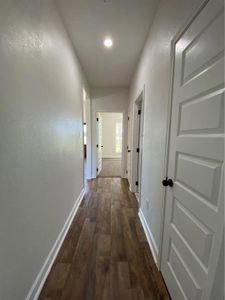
(105, 254)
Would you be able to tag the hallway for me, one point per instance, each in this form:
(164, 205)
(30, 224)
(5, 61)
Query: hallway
(112, 150)
(105, 254)
(111, 167)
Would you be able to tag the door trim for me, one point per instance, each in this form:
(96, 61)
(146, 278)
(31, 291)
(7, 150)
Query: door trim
(124, 141)
(88, 134)
(139, 99)
(197, 10)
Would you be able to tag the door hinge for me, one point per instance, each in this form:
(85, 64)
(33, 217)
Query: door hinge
(136, 183)
(138, 150)
(126, 172)
(97, 145)
(97, 119)
(128, 118)
(97, 169)
(139, 111)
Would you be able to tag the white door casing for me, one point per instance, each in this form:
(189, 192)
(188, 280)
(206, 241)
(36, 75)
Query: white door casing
(194, 215)
(137, 143)
(99, 142)
(129, 143)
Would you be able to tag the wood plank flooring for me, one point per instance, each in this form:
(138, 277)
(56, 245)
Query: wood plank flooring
(111, 167)
(105, 255)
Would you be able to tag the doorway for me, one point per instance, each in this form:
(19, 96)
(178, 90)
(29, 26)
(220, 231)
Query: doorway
(138, 146)
(86, 136)
(109, 144)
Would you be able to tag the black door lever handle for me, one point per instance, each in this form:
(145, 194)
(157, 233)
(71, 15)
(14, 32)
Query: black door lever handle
(167, 182)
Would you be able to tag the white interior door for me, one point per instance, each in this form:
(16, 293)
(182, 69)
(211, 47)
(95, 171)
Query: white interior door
(129, 146)
(194, 220)
(99, 143)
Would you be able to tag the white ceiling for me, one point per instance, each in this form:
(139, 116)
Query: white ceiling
(126, 21)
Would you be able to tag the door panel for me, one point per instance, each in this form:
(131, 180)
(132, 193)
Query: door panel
(194, 206)
(177, 265)
(208, 173)
(206, 115)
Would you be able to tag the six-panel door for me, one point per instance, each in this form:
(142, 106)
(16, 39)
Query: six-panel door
(194, 206)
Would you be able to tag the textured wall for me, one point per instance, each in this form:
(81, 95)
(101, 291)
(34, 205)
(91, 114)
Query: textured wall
(153, 72)
(41, 169)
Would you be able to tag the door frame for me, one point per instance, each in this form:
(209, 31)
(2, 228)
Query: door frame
(94, 140)
(196, 11)
(88, 123)
(98, 146)
(134, 159)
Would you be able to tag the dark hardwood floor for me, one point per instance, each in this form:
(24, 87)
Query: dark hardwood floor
(105, 254)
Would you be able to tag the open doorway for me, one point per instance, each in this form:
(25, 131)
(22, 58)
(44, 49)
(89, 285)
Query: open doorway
(86, 136)
(109, 144)
(138, 146)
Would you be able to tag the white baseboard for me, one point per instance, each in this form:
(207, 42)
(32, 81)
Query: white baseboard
(130, 189)
(43, 274)
(112, 156)
(150, 239)
(137, 195)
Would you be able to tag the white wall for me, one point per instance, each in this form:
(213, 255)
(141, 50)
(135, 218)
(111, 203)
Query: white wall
(41, 167)
(109, 100)
(153, 72)
(109, 121)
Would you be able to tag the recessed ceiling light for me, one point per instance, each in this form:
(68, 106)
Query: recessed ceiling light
(108, 42)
